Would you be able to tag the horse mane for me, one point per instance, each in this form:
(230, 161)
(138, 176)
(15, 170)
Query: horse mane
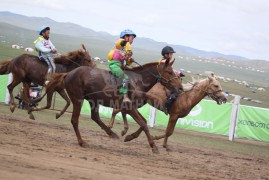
(188, 87)
(142, 67)
(74, 56)
(5, 62)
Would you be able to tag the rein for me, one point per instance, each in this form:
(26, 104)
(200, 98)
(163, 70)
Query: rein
(212, 94)
(159, 78)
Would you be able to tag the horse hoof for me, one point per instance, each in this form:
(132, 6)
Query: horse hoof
(31, 116)
(83, 144)
(12, 108)
(114, 136)
(155, 150)
(128, 138)
(58, 115)
(168, 149)
(123, 132)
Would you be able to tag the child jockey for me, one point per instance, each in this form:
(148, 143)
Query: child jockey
(122, 52)
(45, 49)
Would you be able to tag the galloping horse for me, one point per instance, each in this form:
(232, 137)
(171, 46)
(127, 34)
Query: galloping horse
(28, 68)
(99, 86)
(182, 106)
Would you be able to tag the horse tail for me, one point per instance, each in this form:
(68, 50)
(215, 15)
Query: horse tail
(4, 67)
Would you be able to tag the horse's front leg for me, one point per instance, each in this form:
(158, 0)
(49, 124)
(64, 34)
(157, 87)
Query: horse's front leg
(96, 118)
(10, 87)
(49, 100)
(170, 129)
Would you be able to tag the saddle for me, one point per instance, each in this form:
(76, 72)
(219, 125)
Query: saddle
(161, 97)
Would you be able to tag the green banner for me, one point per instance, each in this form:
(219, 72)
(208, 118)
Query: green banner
(3, 87)
(106, 112)
(206, 116)
(253, 123)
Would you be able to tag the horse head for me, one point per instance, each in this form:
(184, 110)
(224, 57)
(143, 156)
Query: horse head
(87, 59)
(76, 58)
(214, 90)
(168, 75)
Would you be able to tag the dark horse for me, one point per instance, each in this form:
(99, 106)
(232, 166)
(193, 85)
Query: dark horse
(28, 68)
(99, 86)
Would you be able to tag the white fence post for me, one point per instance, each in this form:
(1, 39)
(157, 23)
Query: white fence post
(234, 116)
(10, 78)
(152, 116)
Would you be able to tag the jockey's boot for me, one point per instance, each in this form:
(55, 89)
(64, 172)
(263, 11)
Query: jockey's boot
(126, 99)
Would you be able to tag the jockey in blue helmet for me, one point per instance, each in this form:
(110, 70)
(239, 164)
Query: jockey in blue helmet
(120, 53)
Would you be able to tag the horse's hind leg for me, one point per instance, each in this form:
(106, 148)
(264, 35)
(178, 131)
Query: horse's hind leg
(96, 118)
(10, 87)
(66, 98)
(49, 99)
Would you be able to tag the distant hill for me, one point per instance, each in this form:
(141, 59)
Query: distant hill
(71, 29)
(146, 49)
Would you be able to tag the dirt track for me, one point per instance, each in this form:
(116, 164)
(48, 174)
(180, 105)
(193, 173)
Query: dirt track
(40, 150)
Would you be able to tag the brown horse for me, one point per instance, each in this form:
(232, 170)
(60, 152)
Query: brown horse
(28, 68)
(182, 106)
(99, 86)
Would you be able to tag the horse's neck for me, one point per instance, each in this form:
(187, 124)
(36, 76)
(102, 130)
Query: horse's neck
(61, 68)
(148, 76)
(194, 96)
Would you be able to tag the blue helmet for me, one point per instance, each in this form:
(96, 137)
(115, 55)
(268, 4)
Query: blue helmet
(42, 29)
(127, 32)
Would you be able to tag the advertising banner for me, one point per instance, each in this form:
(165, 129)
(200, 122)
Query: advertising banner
(206, 116)
(253, 123)
(3, 87)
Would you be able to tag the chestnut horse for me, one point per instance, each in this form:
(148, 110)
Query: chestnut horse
(99, 86)
(28, 68)
(181, 107)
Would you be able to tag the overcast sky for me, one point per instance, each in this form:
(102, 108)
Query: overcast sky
(239, 27)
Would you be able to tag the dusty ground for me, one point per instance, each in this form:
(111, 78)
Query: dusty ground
(41, 150)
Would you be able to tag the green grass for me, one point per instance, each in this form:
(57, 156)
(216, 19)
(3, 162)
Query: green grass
(188, 138)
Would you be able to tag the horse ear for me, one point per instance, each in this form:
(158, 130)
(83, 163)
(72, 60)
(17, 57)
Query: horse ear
(210, 77)
(172, 62)
(166, 62)
(212, 74)
(83, 47)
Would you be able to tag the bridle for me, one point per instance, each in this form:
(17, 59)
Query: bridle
(209, 94)
(166, 82)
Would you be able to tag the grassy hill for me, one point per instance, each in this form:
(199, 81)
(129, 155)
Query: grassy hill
(71, 29)
(7, 52)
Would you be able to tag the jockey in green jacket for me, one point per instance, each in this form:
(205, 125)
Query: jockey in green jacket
(122, 52)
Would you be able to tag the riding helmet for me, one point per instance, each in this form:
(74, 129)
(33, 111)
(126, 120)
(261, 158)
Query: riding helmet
(167, 50)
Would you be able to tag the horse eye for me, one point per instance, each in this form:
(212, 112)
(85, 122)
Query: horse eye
(216, 86)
